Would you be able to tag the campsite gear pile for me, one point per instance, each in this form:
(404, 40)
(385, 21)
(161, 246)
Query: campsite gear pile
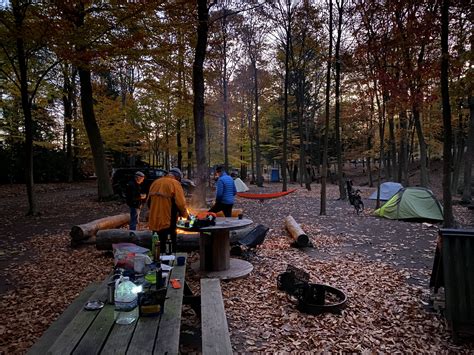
(201, 220)
(250, 242)
(311, 298)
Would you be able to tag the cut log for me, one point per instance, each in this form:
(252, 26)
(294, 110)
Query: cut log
(235, 212)
(185, 240)
(87, 230)
(298, 235)
(106, 237)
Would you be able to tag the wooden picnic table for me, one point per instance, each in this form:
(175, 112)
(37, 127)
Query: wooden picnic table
(95, 332)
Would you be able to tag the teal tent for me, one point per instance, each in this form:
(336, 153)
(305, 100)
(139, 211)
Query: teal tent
(412, 203)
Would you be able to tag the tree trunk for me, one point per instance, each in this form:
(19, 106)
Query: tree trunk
(467, 189)
(88, 116)
(93, 133)
(381, 112)
(26, 106)
(224, 92)
(199, 196)
(447, 146)
(424, 179)
(179, 121)
(458, 155)
(286, 84)
(258, 158)
(403, 152)
(324, 170)
(300, 110)
(369, 144)
(340, 178)
(393, 146)
(252, 148)
(68, 97)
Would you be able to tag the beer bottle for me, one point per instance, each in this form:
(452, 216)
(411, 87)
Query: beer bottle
(155, 246)
(159, 276)
(168, 245)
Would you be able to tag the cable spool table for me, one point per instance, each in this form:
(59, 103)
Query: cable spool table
(214, 251)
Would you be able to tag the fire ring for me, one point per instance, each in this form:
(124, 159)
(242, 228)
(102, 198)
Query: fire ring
(320, 298)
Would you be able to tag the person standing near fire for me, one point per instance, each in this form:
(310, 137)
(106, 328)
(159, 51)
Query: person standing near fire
(166, 202)
(135, 198)
(225, 193)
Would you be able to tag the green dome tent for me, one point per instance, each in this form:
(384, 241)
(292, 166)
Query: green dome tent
(412, 203)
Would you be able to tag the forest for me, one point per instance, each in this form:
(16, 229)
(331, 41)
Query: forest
(302, 86)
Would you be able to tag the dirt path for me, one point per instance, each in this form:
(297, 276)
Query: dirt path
(405, 245)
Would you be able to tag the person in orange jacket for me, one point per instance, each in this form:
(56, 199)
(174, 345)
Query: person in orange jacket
(166, 202)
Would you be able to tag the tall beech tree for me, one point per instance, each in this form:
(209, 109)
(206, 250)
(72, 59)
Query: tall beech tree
(24, 40)
(447, 135)
(199, 197)
(324, 170)
(340, 5)
(96, 31)
(284, 18)
(253, 36)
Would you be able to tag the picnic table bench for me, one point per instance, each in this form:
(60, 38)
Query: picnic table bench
(80, 331)
(215, 333)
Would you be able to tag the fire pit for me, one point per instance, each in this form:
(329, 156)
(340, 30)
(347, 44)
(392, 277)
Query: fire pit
(310, 298)
(320, 298)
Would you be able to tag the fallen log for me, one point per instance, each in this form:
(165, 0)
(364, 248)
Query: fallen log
(298, 235)
(185, 240)
(87, 230)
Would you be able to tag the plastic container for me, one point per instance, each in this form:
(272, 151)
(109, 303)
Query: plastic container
(126, 301)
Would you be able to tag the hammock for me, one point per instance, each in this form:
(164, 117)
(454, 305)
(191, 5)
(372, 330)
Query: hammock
(262, 197)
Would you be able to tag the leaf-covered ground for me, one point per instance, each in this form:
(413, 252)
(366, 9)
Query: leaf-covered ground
(383, 266)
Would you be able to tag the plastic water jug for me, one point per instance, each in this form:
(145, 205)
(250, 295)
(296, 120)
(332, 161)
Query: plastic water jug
(126, 301)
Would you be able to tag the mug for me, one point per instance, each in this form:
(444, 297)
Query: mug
(181, 260)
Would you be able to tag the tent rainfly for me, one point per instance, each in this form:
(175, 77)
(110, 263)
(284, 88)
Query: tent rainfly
(412, 203)
(387, 190)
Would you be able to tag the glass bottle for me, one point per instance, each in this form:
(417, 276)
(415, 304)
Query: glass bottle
(126, 301)
(168, 245)
(155, 246)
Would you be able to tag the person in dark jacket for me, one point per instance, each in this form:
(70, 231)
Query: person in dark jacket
(225, 193)
(135, 198)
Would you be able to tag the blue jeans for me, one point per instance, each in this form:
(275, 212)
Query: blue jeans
(134, 218)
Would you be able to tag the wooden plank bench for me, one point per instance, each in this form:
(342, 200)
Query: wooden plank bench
(95, 332)
(215, 332)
